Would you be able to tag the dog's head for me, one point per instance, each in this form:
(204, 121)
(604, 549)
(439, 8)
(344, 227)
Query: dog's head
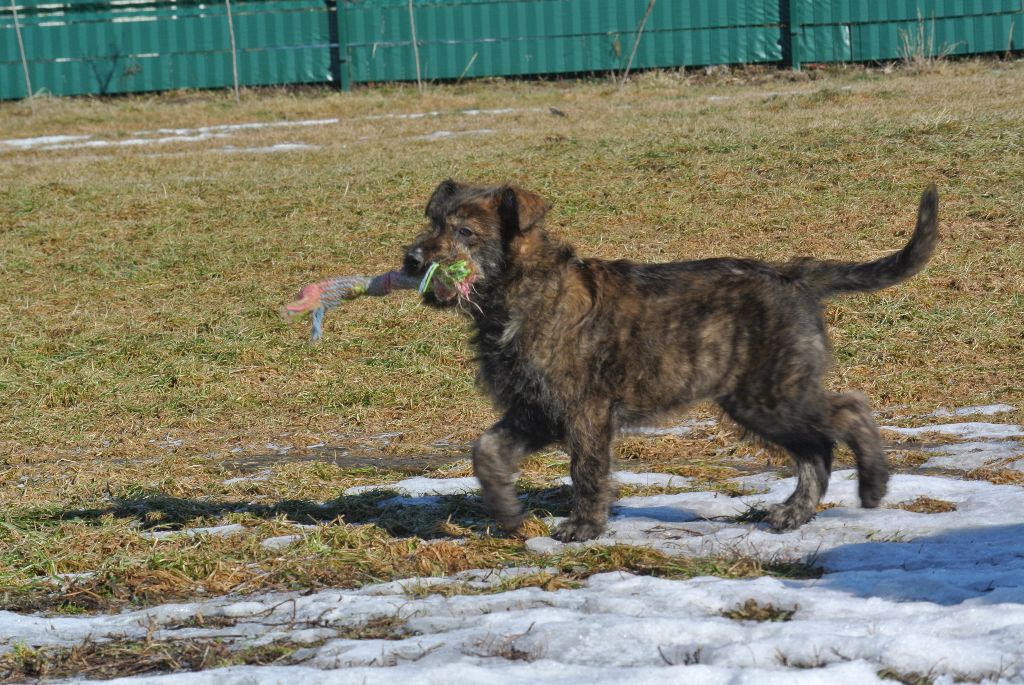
(483, 227)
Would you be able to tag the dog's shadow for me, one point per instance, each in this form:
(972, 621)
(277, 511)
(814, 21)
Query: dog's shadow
(388, 509)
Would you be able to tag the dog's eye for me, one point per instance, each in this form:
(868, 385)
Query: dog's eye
(465, 232)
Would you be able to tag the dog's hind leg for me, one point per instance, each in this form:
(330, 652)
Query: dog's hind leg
(589, 441)
(807, 437)
(855, 426)
(813, 457)
(496, 456)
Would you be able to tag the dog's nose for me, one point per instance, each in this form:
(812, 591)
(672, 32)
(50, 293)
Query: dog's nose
(414, 260)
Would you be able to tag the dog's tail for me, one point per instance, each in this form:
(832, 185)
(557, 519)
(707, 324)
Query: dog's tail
(830, 278)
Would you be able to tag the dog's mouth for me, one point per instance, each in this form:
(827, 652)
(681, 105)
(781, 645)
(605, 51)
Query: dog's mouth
(450, 282)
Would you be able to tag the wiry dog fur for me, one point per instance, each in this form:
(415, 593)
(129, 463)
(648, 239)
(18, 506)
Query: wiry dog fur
(572, 349)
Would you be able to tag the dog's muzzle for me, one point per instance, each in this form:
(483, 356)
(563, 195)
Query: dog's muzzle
(413, 263)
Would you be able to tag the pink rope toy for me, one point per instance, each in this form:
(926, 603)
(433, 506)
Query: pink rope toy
(317, 298)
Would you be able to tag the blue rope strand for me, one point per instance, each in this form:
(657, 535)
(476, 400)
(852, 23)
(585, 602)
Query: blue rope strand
(318, 324)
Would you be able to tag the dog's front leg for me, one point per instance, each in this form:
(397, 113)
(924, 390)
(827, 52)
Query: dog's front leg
(496, 456)
(589, 445)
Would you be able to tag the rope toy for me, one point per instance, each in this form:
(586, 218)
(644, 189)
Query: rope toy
(317, 298)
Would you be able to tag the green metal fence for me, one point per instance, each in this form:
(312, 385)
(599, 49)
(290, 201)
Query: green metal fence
(865, 30)
(75, 47)
(78, 47)
(486, 38)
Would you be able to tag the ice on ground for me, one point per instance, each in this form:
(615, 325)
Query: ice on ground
(703, 523)
(423, 487)
(279, 147)
(441, 135)
(39, 141)
(204, 133)
(230, 128)
(656, 431)
(903, 592)
(428, 489)
(221, 531)
(464, 112)
(941, 594)
(965, 456)
(280, 542)
(971, 430)
(664, 480)
(980, 410)
(133, 142)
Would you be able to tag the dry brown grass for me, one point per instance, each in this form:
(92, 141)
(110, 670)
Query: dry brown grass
(999, 476)
(144, 358)
(925, 505)
(752, 610)
(140, 283)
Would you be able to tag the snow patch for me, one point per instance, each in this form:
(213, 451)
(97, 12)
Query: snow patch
(220, 531)
(463, 112)
(39, 141)
(939, 594)
(279, 147)
(441, 135)
(981, 410)
(965, 456)
(423, 490)
(280, 542)
(423, 487)
(655, 431)
(971, 430)
(947, 601)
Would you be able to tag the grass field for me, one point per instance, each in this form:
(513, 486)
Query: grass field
(141, 270)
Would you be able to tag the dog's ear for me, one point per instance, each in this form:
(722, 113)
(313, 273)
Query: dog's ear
(444, 192)
(519, 210)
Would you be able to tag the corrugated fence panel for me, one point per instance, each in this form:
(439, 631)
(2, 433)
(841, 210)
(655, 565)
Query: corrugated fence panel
(553, 36)
(122, 46)
(864, 30)
(97, 48)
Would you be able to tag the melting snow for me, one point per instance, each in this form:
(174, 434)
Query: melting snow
(939, 594)
(971, 430)
(40, 141)
(983, 410)
(222, 531)
(681, 429)
(441, 135)
(280, 542)
(279, 147)
(422, 487)
(203, 133)
(965, 456)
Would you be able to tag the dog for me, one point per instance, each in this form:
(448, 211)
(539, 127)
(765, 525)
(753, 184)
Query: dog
(573, 349)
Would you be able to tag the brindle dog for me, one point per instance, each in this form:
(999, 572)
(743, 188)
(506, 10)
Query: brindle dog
(572, 349)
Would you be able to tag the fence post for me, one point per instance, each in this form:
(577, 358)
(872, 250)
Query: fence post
(337, 30)
(793, 43)
(636, 43)
(415, 49)
(234, 51)
(24, 61)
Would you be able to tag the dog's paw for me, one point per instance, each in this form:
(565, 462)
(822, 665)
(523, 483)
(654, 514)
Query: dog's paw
(576, 530)
(872, 490)
(787, 516)
(511, 521)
